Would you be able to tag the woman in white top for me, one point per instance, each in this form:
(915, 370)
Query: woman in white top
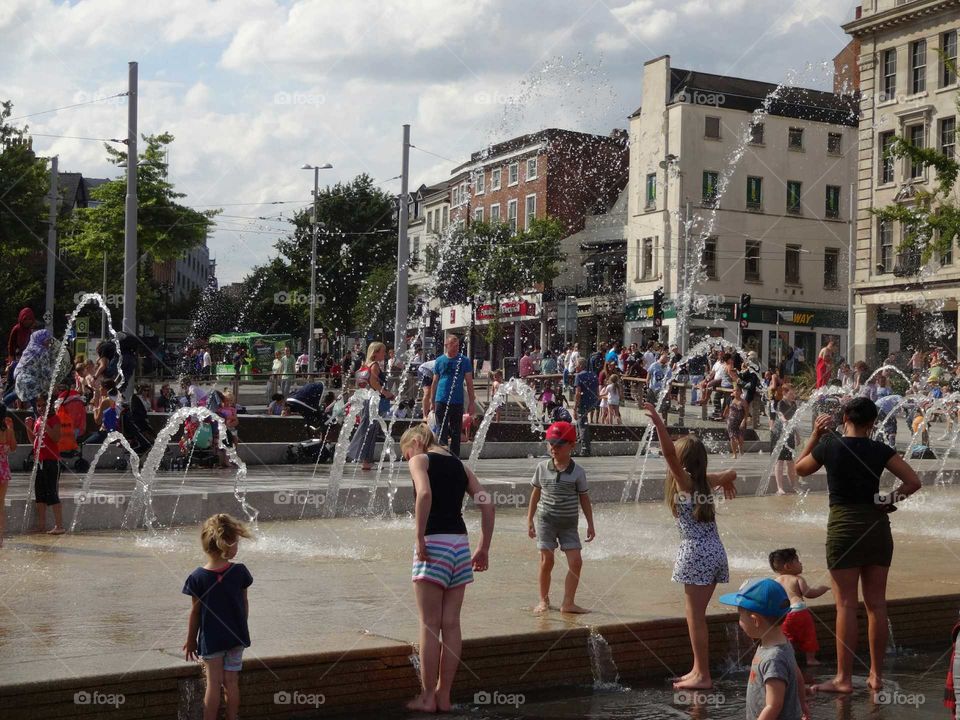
(273, 382)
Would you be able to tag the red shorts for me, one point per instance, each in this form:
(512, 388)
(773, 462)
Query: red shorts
(800, 631)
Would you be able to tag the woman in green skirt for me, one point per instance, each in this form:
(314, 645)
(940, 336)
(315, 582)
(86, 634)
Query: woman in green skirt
(859, 543)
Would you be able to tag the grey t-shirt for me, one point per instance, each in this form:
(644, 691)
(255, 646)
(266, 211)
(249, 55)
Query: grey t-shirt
(774, 662)
(560, 491)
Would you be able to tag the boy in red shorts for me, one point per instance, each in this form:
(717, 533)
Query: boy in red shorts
(798, 625)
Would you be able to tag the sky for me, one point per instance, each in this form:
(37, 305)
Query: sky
(253, 89)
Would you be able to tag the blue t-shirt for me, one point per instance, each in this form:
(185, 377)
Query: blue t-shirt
(589, 385)
(223, 615)
(451, 372)
(110, 419)
(612, 356)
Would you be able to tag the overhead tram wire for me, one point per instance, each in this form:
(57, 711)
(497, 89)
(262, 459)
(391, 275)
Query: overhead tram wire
(77, 137)
(67, 107)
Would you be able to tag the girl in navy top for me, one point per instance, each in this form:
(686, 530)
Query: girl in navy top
(217, 630)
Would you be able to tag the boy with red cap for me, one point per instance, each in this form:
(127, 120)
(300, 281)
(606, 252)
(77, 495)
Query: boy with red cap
(559, 492)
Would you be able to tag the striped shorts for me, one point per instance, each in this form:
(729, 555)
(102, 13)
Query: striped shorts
(450, 563)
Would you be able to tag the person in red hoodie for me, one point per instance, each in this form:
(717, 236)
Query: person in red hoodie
(44, 433)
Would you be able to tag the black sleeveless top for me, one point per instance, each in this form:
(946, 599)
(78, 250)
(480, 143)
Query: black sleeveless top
(448, 485)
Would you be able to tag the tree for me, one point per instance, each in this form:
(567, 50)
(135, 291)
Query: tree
(932, 222)
(24, 190)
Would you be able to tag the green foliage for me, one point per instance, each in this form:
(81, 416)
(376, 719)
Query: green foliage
(24, 187)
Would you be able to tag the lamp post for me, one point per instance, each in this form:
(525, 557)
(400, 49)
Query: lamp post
(313, 259)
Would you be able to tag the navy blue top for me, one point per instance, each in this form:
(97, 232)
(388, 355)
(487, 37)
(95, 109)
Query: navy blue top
(589, 385)
(223, 615)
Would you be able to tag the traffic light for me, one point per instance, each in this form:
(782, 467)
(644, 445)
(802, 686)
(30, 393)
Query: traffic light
(745, 310)
(658, 307)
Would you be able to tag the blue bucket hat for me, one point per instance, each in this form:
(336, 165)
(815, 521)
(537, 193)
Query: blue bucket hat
(765, 597)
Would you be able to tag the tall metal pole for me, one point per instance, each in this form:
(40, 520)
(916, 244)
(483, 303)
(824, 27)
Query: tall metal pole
(130, 228)
(103, 320)
(313, 270)
(403, 251)
(850, 264)
(51, 243)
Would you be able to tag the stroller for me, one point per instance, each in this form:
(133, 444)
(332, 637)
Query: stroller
(196, 446)
(308, 401)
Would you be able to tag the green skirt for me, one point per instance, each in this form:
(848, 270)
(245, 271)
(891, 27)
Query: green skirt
(858, 535)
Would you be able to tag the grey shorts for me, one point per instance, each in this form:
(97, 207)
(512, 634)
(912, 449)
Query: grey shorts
(551, 534)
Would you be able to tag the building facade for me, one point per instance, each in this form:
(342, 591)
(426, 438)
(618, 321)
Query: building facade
(756, 183)
(193, 272)
(907, 91)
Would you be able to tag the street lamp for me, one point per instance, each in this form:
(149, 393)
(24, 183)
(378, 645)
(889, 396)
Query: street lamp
(313, 258)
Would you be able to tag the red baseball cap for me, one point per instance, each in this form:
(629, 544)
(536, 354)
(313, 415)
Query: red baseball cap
(561, 432)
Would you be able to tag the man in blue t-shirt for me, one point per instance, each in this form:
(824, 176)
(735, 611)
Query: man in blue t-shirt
(587, 397)
(450, 372)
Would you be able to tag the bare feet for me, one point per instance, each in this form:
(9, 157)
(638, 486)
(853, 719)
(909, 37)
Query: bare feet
(694, 681)
(781, 492)
(573, 608)
(57, 531)
(542, 607)
(833, 686)
(681, 678)
(875, 682)
(443, 702)
(422, 703)
(812, 659)
(366, 467)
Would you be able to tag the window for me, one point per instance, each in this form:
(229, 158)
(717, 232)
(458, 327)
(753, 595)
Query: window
(833, 201)
(885, 141)
(916, 139)
(948, 61)
(495, 213)
(948, 136)
(754, 193)
(529, 211)
(647, 263)
(532, 169)
(791, 274)
(478, 183)
(415, 255)
(711, 127)
(834, 143)
(512, 214)
(456, 196)
(513, 174)
(710, 179)
(751, 260)
(794, 192)
(446, 218)
(889, 74)
(651, 190)
(918, 66)
(495, 179)
(478, 214)
(795, 139)
(831, 266)
(756, 133)
(947, 257)
(709, 259)
(885, 233)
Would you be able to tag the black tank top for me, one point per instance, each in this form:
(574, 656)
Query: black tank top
(448, 485)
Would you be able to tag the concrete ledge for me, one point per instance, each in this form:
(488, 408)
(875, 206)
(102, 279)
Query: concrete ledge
(379, 675)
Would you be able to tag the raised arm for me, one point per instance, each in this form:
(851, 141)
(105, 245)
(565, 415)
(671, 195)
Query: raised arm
(484, 502)
(669, 450)
(806, 463)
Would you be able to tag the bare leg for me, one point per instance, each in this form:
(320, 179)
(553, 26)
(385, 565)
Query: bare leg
(57, 519)
(41, 517)
(875, 601)
(778, 474)
(452, 644)
(430, 605)
(792, 474)
(845, 583)
(231, 683)
(697, 599)
(546, 568)
(574, 567)
(211, 697)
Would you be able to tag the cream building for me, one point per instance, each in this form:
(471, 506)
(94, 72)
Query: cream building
(908, 91)
(775, 223)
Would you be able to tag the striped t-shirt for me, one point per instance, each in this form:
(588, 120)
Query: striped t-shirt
(559, 490)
